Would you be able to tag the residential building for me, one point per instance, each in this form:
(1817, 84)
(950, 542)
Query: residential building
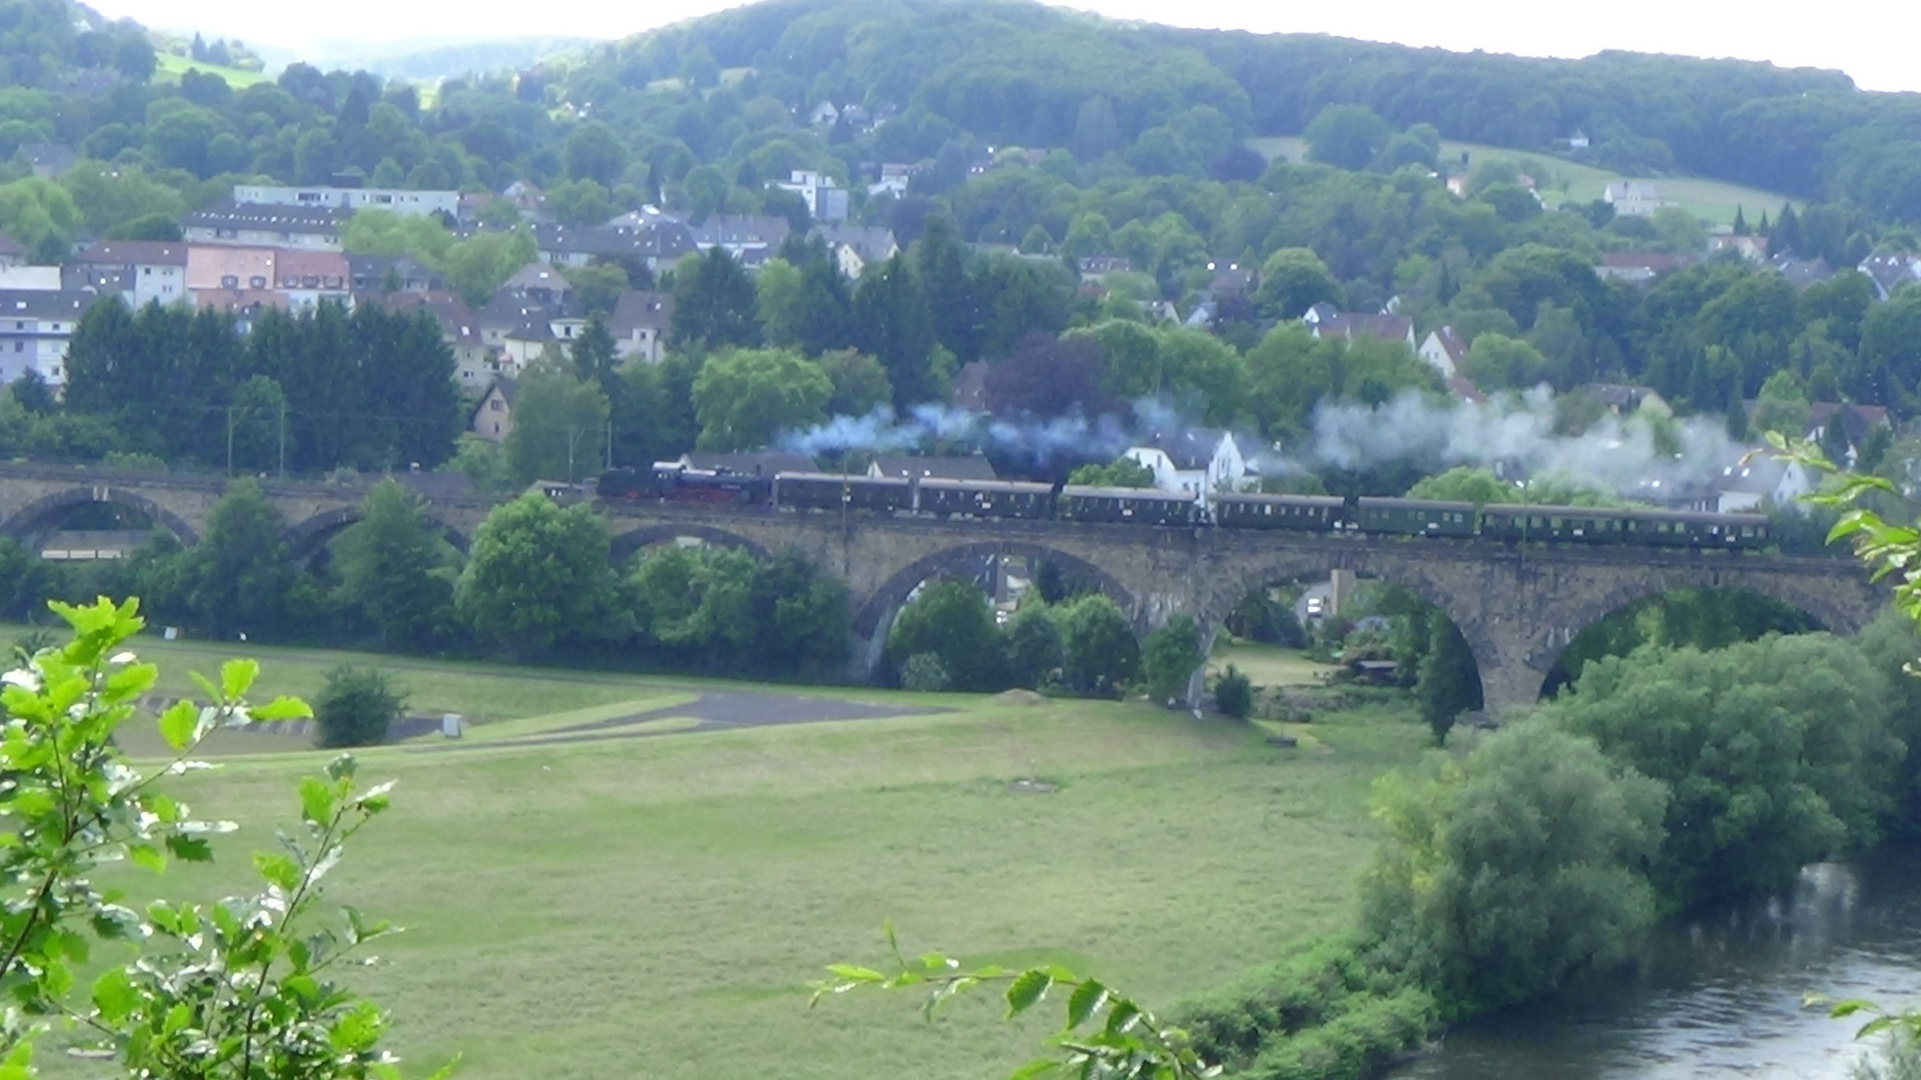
(216, 270)
(658, 243)
(1640, 267)
(970, 386)
(48, 160)
(855, 247)
(403, 201)
(1444, 350)
(493, 415)
(1752, 248)
(1801, 273)
(1350, 325)
(258, 225)
(539, 282)
(1099, 266)
(751, 238)
(35, 325)
(11, 253)
(1891, 270)
(1759, 480)
(955, 467)
(391, 273)
(515, 330)
(150, 271)
(31, 278)
(824, 114)
(308, 277)
(1199, 460)
(826, 200)
(640, 324)
(1632, 198)
(473, 368)
(1622, 399)
(1463, 389)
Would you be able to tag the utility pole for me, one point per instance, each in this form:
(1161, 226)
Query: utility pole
(230, 441)
(283, 436)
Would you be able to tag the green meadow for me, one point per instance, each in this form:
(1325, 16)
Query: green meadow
(629, 901)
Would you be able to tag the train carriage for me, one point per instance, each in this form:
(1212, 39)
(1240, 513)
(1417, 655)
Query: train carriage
(985, 498)
(1415, 517)
(1553, 524)
(1135, 506)
(1683, 528)
(1302, 513)
(828, 491)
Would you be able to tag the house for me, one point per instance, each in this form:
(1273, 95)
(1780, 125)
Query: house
(958, 467)
(1855, 420)
(32, 278)
(540, 283)
(856, 247)
(35, 325)
(403, 201)
(1444, 350)
(1640, 267)
(970, 387)
(1632, 198)
(152, 271)
(308, 277)
(391, 273)
(516, 330)
(217, 271)
(1578, 140)
(894, 180)
(493, 415)
(1230, 280)
(640, 324)
(1621, 399)
(1350, 325)
(257, 225)
(1463, 389)
(1750, 247)
(824, 115)
(11, 253)
(473, 369)
(1198, 460)
(48, 160)
(1319, 313)
(825, 199)
(657, 243)
(1891, 270)
(1757, 481)
(747, 237)
(525, 196)
(1801, 273)
(1099, 266)
(749, 462)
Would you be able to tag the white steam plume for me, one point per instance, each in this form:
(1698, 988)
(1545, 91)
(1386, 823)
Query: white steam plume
(882, 430)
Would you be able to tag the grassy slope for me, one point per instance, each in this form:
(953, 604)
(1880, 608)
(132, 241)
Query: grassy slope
(1711, 200)
(653, 906)
(171, 67)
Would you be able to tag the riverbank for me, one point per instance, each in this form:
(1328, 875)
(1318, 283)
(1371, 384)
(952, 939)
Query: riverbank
(579, 907)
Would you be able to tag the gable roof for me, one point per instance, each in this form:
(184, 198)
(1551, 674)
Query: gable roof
(1191, 449)
(1801, 273)
(871, 242)
(212, 266)
(954, 467)
(1892, 269)
(119, 253)
(1350, 325)
(299, 268)
(537, 277)
(741, 230)
(1451, 343)
(227, 214)
(46, 303)
(370, 271)
(457, 322)
(638, 310)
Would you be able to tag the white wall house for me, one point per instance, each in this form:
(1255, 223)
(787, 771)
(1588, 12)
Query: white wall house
(401, 201)
(1199, 461)
(1444, 350)
(35, 325)
(1745, 487)
(1632, 198)
(826, 200)
(156, 271)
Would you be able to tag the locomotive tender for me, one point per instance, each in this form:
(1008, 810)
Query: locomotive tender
(804, 492)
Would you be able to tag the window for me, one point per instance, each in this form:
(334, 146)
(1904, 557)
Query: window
(146, 271)
(229, 281)
(19, 346)
(257, 282)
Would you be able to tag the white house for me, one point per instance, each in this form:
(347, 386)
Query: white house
(1632, 198)
(1199, 461)
(1444, 350)
(640, 324)
(826, 200)
(155, 270)
(1747, 486)
(403, 201)
(35, 325)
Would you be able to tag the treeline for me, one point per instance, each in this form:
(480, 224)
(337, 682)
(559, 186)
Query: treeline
(314, 390)
(537, 584)
(1523, 858)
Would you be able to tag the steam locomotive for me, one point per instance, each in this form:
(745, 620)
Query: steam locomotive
(809, 492)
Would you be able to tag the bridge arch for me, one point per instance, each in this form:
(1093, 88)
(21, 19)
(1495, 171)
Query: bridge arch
(306, 539)
(625, 544)
(44, 514)
(874, 610)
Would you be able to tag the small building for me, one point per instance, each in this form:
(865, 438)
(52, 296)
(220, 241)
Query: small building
(856, 247)
(749, 238)
(1747, 245)
(1632, 198)
(1351, 325)
(35, 326)
(640, 324)
(1758, 481)
(1622, 399)
(391, 273)
(149, 271)
(953, 467)
(1802, 273)
(306, 278)
(493, 415)
(1444, 350)
(404, 201)
(267, 225)
(1891, 271)
(1640, 267)
(826, 200)
(1197, 461)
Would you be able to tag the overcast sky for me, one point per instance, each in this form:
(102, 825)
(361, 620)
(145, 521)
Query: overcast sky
(1868, 39)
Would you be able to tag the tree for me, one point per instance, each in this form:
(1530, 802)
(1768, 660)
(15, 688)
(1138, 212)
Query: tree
(859, 381)
(595, 153)
(1497, 361)
(240, 989)
(241, 578)
(538, 576)
(1514, 867)
(744, 398)
(714, 303)
(356, 707)
(1169, 658)
(41, 216)
(560, 427)
(952, 621)
(1295, 279)
(1781, 406)
(1448, 682)
(1122, 472)
(1347, 136)
(1100, 654)
(1034, 646)
(396, 569)
(1234, 693)
(893, 324)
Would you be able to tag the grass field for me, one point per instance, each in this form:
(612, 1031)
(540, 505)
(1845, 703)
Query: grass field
(1561, 181)
(653, 906)
(171, 67)
(1267, 665)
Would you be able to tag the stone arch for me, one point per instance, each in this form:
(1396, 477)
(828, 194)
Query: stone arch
(1837, 596)
(892, 593)
(40, 516)
(306, 539)
(626, 544)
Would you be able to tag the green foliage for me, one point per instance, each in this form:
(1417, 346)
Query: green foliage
(1295, 279)
(1515, 866)
(1448, 682)
(1753, 799)
(951, 620)
(924, 673)
(1347, 136)
(745, 397)
(1122, 472)
(240, 578)
(240, 989)
(356, 707)
(538, 575)
(1169, 658)
(560, 427)
(396, 569)
(1099, 653)
(1035, 646)
(1234, 693)
(714, 303)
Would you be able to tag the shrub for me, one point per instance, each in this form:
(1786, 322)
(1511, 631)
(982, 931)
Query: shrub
(1234, 693)
(924, 672)
(356, 707)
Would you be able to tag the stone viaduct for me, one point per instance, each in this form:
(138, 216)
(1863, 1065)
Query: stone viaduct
(1518, 607)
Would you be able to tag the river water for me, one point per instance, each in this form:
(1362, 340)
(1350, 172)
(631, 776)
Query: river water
(1720, 995)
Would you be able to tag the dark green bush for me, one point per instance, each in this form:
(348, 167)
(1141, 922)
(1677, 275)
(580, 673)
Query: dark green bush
(355, 707)
(1234, 693)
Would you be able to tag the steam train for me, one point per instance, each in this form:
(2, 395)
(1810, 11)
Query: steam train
(808, 492)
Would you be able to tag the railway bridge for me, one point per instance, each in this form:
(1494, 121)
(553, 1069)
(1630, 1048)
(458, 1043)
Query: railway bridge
(1517, 607)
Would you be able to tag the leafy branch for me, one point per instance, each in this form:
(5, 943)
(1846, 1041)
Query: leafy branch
(1104, 1035)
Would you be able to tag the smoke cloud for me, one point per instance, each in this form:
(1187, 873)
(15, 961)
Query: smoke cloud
(1069, 437)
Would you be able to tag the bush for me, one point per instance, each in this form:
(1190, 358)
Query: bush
(925, 673)
(356, 707)
(1234, 693)
(1169, 657)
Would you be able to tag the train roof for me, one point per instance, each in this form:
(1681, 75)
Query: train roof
(1129, 493)
(1562, 511)
(1411, 504)
(1285, 500)
(837, 478)
(1014, 486)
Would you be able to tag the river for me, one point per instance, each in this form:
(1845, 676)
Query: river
(1720, 995)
